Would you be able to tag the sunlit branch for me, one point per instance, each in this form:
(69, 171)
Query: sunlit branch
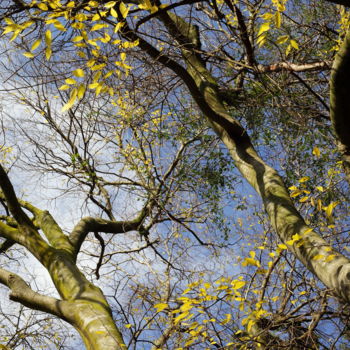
(90, 224)
(22, 293)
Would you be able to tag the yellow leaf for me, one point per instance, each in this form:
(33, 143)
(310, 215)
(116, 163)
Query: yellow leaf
(94, 85)
(98, 26)
(43, 7)
(58, 25)
(117, 27)
(161, 306)
(36, 44)
(180, 317)
(78, 25)
(81, 54)
(320, 188)
(329, 208)
(282, 246)
(330, 257)
(296, 237)
(296, 193)
(267, 16)
(227, 319)
(77, 39)
(318, 257)
(278, 19)
(70, 103)
(123, 10)
(15, 34)
(264, 28)
(96, 17)
(294, 44)
(288, 49)
(70, 81)
(185, 307)
(306, 232)
(48, 53)
(81, 17)
(81, 91)
(250, 324)
(79, 73)
(123, 56)
(303, 199)
(280, 6)
(114, 13)
(237, 284)
(304, 179)
(48, 37)
(28, 54)
(250, 261)
(282, 39)
(64, 87)
(128, 325)
(316, 152)
(110, 4)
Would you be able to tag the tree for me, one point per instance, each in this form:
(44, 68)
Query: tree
(234, 83)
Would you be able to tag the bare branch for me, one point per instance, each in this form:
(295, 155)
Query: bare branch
(292, 67)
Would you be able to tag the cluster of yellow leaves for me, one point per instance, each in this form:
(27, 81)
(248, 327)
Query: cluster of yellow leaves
(6, 154)
(271, 19)
(190, 310)
(251, 260)
(89, 22)
(344, 25)
(275, 19)
(253, 317)
(304, 194)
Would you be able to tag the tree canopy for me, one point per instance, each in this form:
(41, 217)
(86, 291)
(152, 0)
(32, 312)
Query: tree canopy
(175, 175)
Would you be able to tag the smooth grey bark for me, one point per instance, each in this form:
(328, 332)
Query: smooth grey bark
(334, 268)
(82, 304)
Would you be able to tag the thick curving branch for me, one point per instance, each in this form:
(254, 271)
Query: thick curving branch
(49, 226)
(334, 268)
(22, 293)
(339, 101)
(15, 208)
(90, 224)
(26, 234)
